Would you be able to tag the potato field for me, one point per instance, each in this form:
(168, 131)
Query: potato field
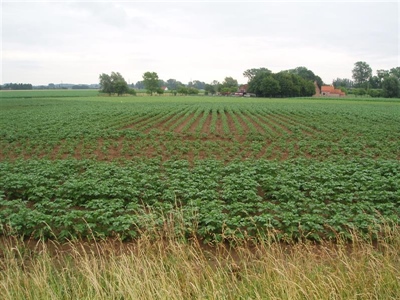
(212, 167)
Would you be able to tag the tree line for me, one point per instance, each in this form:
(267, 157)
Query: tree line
(261, 82)
(16, 86)
(386, 83)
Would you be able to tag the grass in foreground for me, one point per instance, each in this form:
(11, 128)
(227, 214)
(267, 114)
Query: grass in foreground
(172, 269)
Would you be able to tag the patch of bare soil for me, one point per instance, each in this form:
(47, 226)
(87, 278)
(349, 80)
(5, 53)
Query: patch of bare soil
(219, 128)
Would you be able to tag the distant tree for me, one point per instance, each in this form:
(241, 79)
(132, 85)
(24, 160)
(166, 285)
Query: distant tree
(374, 82)
(140, 85)
(113, 84)
(182, 90)
(210, 89)
(395, 72)
(106, 84)
(173, 84)
(192, 91)
(150, 81)
(160, 91)
(251, 73)
(307, 74)
(391, 87)
(342, 82)
(131, 91)
(161, 83)
(80, 87)
(17, 86)
(200, 85)
(361, 74)
(230, 83)
(382, 74)
(119, 83)
(288, 87)
(375, 93)
(270, 87)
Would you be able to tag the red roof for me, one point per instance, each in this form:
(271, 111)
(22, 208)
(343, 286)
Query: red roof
(331, 90)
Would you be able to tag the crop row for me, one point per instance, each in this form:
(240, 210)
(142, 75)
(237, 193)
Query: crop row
(210, 199)
(171, 146)
(56, 129)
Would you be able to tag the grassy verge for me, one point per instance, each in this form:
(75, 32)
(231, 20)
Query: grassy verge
(168, 268)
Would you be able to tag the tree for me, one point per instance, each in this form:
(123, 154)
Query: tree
(342, 82)
(307, 74)
(173, 84)
(382, 74)
(395, 72)
(210, 89)
(391, 87)
(230, 83)
(192, 91)
(270, 87)
(119, 83)
(139, 85)
(361, 74)
(113, 83)
(150, 81)
(251, 73)
(200, 85)
(106, 84)
(183, 90)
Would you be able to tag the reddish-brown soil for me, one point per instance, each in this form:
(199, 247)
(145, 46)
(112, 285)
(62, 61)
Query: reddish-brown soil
(219, 126)
(231, 124)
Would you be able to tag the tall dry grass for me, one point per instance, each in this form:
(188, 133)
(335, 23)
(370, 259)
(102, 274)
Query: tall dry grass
(169, 268)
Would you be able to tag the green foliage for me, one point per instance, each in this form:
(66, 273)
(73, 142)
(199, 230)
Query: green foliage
(361, 74)
(228, 85)
(295, 199)
(223, 166)
(391, 87)
(210, 89)
(251, 73)
(308, 75)
(151, 82)
(131, 92)
(342, 82)
(282, 84)
(16, 86)
(113, 84)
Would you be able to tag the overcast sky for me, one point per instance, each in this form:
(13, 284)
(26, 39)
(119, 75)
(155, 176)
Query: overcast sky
(75, 41)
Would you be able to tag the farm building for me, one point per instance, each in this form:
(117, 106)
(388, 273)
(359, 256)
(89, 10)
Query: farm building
(330, 91)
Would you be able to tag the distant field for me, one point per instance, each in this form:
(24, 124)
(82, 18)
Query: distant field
(219, 166)
(4, 94)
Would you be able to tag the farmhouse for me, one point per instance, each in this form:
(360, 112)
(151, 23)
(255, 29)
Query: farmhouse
(330, 91)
